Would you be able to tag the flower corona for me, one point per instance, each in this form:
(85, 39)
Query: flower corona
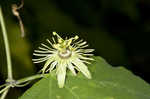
(62, 55)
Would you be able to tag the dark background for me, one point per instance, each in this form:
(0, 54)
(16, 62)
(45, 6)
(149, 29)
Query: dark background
(117, 29)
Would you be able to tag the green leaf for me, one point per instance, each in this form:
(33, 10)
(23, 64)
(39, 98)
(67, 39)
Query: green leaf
(107, 83)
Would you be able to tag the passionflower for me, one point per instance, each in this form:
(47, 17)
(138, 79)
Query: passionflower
(64, 54)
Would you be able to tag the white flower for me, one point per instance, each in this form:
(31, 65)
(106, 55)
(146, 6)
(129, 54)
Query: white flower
(64, 54)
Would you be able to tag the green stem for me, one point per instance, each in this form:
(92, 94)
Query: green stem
(4, 94)
(23, 80)
(10, 79)
(4, 89)
(8, 56)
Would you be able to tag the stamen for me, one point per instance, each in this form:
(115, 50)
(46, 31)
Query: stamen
(76, 37)
(54, 33)
(71, 39)
(59, 38)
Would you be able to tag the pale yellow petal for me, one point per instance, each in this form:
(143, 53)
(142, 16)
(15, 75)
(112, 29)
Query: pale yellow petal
(61, 75)
(72, 69)
(82, 67)
(47, 64)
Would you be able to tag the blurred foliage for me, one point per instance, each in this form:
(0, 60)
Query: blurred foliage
(51, 18)
(117, 29)
(20, 48)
